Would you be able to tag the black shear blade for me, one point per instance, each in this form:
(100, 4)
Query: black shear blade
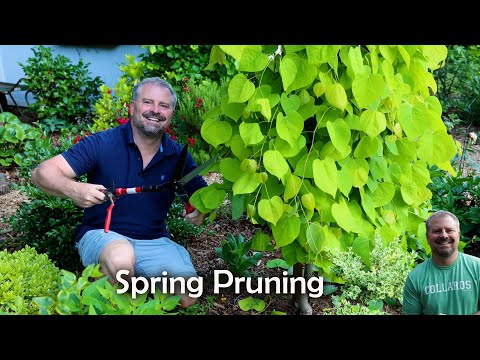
(180, 164)
(197, 170)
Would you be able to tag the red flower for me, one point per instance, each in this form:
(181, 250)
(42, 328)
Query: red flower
(185, 79)
(169, 130)
(191, 141)
(77, 139)
(109, 91)
(185, 89)
(174, 137)
(122, 121)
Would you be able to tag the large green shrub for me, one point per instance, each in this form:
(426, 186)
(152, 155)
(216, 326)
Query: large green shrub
(330, 144)
(25, 274)
(61, 89)
(461, 72)
(176, 62)
(46, 222)
(15, 136)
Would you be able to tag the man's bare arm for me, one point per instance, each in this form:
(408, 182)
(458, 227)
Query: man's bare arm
(56, 177)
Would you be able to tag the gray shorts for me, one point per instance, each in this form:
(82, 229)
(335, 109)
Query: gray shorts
(151, 256)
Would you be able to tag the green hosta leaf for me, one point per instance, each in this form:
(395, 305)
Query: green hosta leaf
(251, 133)
(339, 133)
(271, 209)
(336, 96)
(315, 237)
(216, 132)
(275, 163)
(240, 89)
(383, 194)
(289, 127)
(368, 89)
(277, 263)
(289, 103)
(230, 168)
(286, 230)
(325, 175)
(250, 303)
(372, 122)
(231, 109)
(245, 184)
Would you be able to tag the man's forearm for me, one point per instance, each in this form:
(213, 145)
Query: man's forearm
(53, 182)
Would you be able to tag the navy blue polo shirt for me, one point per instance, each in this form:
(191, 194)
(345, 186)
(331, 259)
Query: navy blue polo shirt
(112, 154)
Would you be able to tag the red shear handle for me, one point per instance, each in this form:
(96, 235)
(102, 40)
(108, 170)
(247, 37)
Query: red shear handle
(188, 207)
(108, 218)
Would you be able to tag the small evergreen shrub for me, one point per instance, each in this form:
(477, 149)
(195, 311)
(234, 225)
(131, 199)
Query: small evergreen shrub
(382, 280)
(180, 229)
(25, 274)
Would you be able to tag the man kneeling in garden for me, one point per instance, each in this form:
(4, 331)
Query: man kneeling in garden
(138, 153)
(449, 282)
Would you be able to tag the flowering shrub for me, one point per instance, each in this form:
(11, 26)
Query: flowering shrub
(113, 108)
(194, 100)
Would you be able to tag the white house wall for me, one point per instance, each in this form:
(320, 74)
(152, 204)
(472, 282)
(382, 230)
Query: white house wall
(104, 62)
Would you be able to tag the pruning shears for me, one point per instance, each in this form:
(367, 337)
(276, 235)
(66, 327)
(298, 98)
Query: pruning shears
(176, 184)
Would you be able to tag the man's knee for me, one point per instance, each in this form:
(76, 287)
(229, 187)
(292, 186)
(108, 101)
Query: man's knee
(116, 256)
